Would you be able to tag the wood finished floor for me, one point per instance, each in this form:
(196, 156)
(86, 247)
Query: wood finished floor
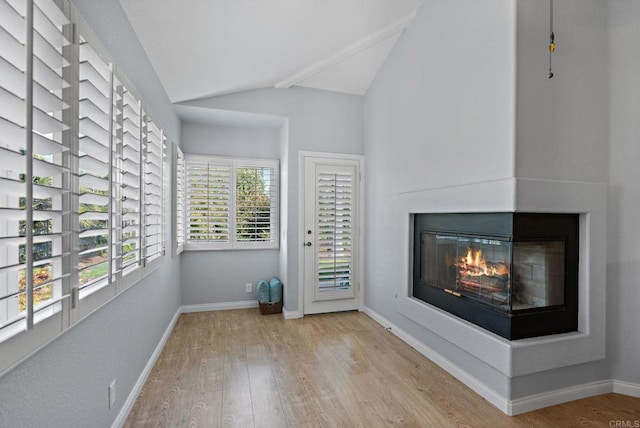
(238, 368)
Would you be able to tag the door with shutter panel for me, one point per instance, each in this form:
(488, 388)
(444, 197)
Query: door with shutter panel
(331, 241)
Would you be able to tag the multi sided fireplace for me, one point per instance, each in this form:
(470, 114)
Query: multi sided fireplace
(514, 274)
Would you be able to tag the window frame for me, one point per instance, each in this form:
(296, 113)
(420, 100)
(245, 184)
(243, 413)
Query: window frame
(234, 163)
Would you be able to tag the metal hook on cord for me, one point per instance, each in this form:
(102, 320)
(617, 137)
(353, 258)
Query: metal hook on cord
(552, 39)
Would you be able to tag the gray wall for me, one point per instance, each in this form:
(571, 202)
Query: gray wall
(440, 113)
(220, 276)
(562, 124)
(623, 267)
(318, 121)
(431, 102)
(65, 384)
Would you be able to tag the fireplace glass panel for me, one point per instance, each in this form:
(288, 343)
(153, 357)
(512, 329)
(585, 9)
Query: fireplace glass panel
(483, 269)
(538, 274)
(477, 268)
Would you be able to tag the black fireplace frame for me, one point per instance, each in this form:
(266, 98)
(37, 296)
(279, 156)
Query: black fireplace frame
(513, 227)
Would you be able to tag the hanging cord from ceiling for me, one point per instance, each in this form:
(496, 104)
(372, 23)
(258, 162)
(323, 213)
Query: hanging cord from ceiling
(552, 39)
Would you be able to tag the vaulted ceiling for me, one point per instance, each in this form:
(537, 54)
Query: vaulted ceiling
(202, 48)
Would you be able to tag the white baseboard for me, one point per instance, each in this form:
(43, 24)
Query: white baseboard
(488, 394)
(577, 392)
(206, 307)
(133, 395)
(291, 315)
(559, 396)
(626, 388)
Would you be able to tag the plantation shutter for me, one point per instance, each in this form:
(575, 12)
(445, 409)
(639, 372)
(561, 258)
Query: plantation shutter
(335, 231)
(51, 173)
(256, 202)
(179, 202)
(208, 201)
(95, 171)
(131, 181)
(71, 176)
(154, 142)
(34, 164)
(13, 169)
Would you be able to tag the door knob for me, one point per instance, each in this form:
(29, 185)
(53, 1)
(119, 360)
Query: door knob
(308, 244)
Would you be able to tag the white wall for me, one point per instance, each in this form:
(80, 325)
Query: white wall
(284, 203)
(318, 121)
(440, 113)
(220, 276)
(65, 384)
(623, 267)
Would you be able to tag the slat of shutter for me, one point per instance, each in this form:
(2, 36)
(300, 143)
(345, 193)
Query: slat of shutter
(95, 166)
(88, 91)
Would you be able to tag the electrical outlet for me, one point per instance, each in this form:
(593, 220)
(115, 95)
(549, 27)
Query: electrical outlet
(248, 286)
(112, 393)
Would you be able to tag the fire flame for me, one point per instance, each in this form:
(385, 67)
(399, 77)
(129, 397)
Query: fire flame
(475, 264)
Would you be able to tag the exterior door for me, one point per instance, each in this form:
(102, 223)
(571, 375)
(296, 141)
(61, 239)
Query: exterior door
(331, 235)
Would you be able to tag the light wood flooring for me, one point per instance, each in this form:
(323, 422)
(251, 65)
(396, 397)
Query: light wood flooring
(239, 368)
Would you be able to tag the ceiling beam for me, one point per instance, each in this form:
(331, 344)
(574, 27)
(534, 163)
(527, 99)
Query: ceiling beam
(354, 49)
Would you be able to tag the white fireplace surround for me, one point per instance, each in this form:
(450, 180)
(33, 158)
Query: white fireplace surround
(519, 357)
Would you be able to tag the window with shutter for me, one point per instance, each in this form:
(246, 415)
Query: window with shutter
(34, 165)
(95, 173)
(13, 169)
(153, 180)
(231, 203)
(179, 175)
(208, 202)
(256, 203)
(50, 173)
(81, 176)
(131, 183)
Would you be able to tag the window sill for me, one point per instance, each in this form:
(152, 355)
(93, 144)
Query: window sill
(208, 247)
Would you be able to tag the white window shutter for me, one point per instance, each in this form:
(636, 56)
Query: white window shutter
(34, 165)
(179, 176)
(13, 168)
(208, 195)
(95, 172)
(131, 183)
(153, 195)
(50, 181)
